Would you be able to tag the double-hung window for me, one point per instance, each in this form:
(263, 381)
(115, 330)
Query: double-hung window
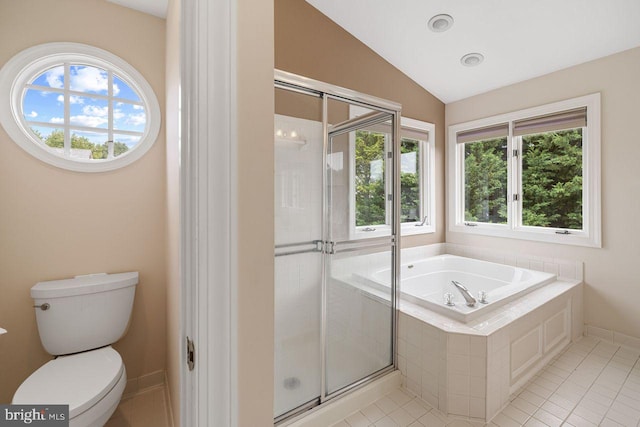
(370, 182)
(531, 174)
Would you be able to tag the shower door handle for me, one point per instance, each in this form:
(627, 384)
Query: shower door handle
(299, 248)
(361, 244)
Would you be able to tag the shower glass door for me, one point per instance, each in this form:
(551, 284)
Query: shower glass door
(335, 241)
(359, 309)
(299, 140)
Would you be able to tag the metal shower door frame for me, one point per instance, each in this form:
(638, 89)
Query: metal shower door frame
(295, 83)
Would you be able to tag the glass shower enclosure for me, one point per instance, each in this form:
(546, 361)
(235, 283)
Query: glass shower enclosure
(336, 227)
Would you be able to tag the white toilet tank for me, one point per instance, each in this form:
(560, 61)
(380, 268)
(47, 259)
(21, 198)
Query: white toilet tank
(85, 312)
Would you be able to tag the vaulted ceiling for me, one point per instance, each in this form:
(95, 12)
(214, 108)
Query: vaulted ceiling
(519, 39)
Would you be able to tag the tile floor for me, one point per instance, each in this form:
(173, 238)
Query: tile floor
(591, 383)
(146, 409)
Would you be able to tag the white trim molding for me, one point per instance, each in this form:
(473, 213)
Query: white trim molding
(207, 195)
(590, 235)
(427, 177)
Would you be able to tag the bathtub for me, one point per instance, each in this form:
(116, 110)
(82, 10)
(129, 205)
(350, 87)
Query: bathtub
(425, 283)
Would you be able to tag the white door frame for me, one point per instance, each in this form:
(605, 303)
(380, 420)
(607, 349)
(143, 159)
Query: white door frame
(207, 212)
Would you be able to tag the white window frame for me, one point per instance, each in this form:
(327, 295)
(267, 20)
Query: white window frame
(427, 184)
(16, 74)
(590, 235)
(427, 156)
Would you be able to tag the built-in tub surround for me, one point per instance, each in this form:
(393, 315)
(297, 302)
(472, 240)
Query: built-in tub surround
(470, 369)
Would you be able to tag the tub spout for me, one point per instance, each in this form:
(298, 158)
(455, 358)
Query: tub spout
(471, 301)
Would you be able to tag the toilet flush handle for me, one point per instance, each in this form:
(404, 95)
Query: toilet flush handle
(43, 307)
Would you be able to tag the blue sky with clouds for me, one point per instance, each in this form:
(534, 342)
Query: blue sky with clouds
(47, 106)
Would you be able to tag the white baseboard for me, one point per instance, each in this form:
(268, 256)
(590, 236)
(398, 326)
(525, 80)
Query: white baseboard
(612, 337)
(143, 382)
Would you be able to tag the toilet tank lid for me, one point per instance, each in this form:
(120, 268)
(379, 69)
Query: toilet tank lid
(80, 285)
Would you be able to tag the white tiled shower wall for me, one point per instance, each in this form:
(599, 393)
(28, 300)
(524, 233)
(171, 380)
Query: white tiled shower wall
(298, 182)
(298, 210)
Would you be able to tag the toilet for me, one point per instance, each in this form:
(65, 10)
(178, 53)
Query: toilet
(78, 320)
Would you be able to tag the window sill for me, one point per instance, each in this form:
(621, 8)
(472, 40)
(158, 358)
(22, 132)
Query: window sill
(375, 231)
(576, 238)
(406, 229)
(413, 229)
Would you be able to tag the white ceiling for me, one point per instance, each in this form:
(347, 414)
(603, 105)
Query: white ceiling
(520, 39)
(152, 7)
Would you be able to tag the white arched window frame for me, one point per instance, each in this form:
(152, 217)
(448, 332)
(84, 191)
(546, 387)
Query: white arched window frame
(18, 73)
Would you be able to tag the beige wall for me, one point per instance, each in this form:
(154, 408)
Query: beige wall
(310, 44)
(254, 212)
(56, 223)
(173, 207)
(612, 287)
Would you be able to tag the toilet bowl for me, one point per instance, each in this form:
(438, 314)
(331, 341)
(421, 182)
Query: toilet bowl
(78, 319)
(91, 383)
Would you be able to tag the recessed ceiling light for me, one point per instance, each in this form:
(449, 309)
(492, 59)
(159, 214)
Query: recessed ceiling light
(440, 23)
(472, 59)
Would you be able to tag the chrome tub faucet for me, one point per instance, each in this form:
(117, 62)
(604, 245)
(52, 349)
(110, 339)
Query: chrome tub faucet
(471, 301)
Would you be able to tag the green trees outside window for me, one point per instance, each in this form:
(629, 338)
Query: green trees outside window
(98, 151)
(485, 181)
(410, 180)
(370, 179)
(551, 180)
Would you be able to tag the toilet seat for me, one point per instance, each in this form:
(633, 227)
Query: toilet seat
(79, 380)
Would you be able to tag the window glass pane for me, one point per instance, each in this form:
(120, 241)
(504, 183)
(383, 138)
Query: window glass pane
(85, 78)
(552, 179)
(54, 139)
(53, 77)
(130, 117)
(88, 145)
(42, 106)
(95, 145)
(370, 178)
(89, 112)
(50, 136)
(485, 181)
(123, 90)
(410, 180)
(124, 143)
